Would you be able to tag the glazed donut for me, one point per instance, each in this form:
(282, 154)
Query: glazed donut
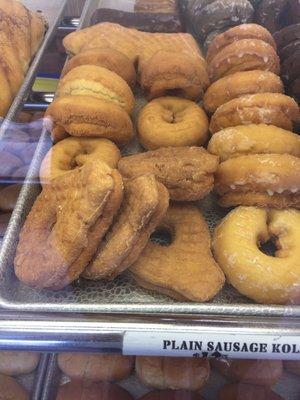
(269, 14)
(80, 390)
(95, 367)
(268, 108)
(108, 58)
(255, 372)
(264, 180)
(243, 31)
(18, 362)
(290, 68)
(262, 278)
(74, 152)
(292, 366)
(244, 55)
(172, 372)
(91, 80)
(159, 268)
(168, 73)
(171, 395)
(239, 84)
(11, 389)
(172, 121)
(243, 391)
(88, 116)
(287, 35)
(253, 139)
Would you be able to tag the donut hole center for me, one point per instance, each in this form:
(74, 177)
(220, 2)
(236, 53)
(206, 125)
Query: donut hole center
(268, 247)
(162, 236)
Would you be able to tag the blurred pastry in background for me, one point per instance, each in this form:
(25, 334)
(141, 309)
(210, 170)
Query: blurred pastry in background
(18, 362)
(79, 390)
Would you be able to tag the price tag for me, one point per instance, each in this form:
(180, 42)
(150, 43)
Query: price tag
(231, 345)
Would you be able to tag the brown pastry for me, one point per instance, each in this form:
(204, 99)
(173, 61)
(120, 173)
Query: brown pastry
(172, 372)
(171, 395)
(243, 391)
(104, 57)
(8, 197)
(292, 366)
(78, 390)
(187, 172)
(255, 372)
(269, 14)
(11, 389)
(159, 267)
(95, 367)
(4, 220)
(154, 6)
(145, 204)
(18, 362)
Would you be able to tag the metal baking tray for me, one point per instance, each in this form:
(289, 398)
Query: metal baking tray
(288, 386)
(53, 12)
(122, 295)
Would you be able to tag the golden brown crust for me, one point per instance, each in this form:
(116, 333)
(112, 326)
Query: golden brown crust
(18, 362)
(172, 372)
(171, 395)
(244, 55)
(160, 267)
(239, 84)
(89, 117)
(187, 172)
(80, 390)
(145, 204)
(74, 152)
(243, 31)
(172, 121)
(108, 58)
(95, 81)
(11, 389)
(237, 391)
(95, 367)
(267, 108)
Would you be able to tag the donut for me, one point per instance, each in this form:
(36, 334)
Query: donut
(95, 81)
(88, 116)
(171, 395)
(253, 139)
(4, 220)
(172, 121)
(265, 180)
(170, 73)
(290, 68)
(177, 373)
(210, 37)
(8, 198)
(108, 58)
(74, 152)
(255, 372)
(292, 366)
(243, 31)
(244, 55)
(243, 391)
(239, 84)
(18, 362)
(218, 14)
(269, 14)
(80, 390)
(261, 277)
(287, 35)
(159, 268)
(11, 389)
(95, 367)
(268, 108)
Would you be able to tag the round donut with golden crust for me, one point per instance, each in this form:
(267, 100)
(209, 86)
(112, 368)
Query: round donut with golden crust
(292, 366)
(172, 121)
(168, 73)
(18, 362)
(243, 391)
(91, 80)
(262, 278)
(74, 152)
(265, 180)
(171, 395)
(253, 139)
(255, 372)
(105, 57)
(89, 117)
(267, 108)
(11, 389)
(243, 31)
(81, 390)
(239, 84)
(177, 373)
(244, 55)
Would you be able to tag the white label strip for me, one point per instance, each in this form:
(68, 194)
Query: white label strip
(233, 345)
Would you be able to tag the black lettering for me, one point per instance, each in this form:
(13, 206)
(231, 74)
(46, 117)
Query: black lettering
(218, 347)
(166, 343)
(227, 346)
(286, 348)
(275, 348)
(183, 346)
(210, 346)
(174, 347)
(197, 346)
(295, 350)
(236, 346)
(263, 348)
(253, 347)
(244, 348)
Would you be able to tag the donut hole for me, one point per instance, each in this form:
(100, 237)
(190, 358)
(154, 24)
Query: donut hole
(162, 236)
(268, 247)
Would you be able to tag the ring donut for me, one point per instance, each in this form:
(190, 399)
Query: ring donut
(89, 117)
(108, 58)
(74, 152)
(95, 81)
(172, 121)
(269, 13)
(244, 55)
(168, 73)
(262, 278)
(268, 108)
(253, 139)
(243, 31)
(265, 180)
(239, 84)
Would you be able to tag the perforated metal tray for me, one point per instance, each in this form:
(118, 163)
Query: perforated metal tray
(121, 295)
